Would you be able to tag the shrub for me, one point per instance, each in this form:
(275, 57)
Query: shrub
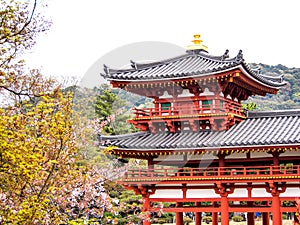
(207, 219)
(162, 220)
(237, 218)
(187, 220)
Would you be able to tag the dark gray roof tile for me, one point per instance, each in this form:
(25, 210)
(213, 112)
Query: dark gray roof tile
(186, 65)
(260, 128)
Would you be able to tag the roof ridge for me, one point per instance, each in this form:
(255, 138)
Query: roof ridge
(139, 66)
(222, 58)
(273, 113)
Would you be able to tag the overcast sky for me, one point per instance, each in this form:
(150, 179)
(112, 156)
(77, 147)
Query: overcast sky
(84, 31)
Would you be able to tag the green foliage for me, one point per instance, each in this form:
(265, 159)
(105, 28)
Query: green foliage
(104, 104)
(112, 109)
(250, 106)
(288, 96)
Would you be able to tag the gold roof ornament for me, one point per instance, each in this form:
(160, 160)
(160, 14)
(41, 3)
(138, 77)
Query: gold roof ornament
(197, 44)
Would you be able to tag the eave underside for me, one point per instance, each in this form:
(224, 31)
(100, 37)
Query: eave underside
(241, 83)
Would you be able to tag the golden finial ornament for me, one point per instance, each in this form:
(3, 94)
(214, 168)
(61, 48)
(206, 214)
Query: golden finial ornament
(197, 44)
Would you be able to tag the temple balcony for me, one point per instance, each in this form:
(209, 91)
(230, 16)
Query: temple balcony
(207, 112)
(208, 175)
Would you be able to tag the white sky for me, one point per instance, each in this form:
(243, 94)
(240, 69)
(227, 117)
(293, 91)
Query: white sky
(83, 31)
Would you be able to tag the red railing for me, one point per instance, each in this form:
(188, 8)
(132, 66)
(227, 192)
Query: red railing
(192, 109)
(257, 171)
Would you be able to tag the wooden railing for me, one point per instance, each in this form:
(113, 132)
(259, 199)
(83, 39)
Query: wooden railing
(227, 106)
(257, 171)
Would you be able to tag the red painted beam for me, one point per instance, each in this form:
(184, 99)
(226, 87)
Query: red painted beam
(218, 209)
(218, 199)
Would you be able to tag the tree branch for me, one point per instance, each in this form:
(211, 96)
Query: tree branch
(28, 22)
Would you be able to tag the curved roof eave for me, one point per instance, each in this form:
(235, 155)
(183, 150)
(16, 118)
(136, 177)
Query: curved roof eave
(240, 66)
(210, 148)
(244, 70)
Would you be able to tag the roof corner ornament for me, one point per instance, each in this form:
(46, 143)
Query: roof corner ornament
(258, 70)
(133, 64)
(239, 56)
(225, 55)
(281, 78)
(106, 69)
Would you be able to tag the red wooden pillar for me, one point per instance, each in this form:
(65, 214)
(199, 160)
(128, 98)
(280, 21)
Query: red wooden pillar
(250, 215)
(265, 218)
(198, 215)
(146, 207)
(215, 215)
(150, 165)
(215, 218)
(224, 209)
(276, 212)
(156, 105)
(276, 158)
(179, 215)
(221, 190)
(276, 162)
(250, 218)
(198, 218)
(146, 222)
(221, 163)
(217, 102)
(221, 160)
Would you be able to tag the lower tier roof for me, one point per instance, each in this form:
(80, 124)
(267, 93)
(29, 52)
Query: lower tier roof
(268, 128)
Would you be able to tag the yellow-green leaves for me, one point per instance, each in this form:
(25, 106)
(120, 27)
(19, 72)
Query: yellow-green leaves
(37, 148)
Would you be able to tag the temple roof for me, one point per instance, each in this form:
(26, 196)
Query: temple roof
(192, 64)
(268, 128)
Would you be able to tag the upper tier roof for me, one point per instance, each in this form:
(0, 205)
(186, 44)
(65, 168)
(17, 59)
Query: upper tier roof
(264, 129)
(192, 64)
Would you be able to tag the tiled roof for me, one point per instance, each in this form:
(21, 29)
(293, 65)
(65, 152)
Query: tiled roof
(191, 64)
(259, 129)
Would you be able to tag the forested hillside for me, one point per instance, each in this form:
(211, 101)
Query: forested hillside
(288, 97)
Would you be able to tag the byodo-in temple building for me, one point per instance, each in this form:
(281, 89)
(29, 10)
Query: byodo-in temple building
(205, 153)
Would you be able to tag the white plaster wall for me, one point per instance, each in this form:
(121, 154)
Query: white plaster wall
(206, 92)
(167, 194)
(185, 93)
(169, 157)
(205, 156)
(201, 193)
(236, 155)
(291, 192)
(166, 95)
(259, 155)
(290, 153)
(239, 192)
(260, 192)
